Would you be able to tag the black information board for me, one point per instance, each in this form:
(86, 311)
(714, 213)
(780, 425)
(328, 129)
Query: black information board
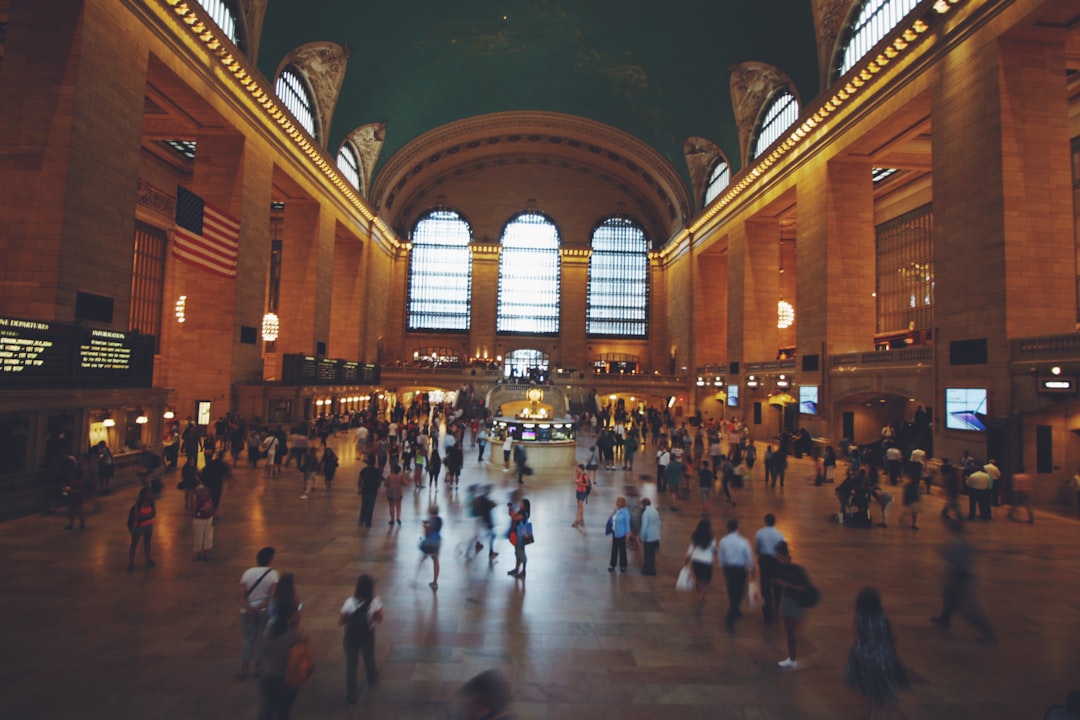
(298, 369)
(60, 355)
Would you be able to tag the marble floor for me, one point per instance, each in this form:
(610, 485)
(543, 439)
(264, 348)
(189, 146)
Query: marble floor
(84, 638)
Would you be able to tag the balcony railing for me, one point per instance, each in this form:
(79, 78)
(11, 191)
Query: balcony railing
(921, 355)
(1046, 347)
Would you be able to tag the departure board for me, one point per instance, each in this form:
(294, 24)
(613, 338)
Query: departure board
(37, 354)
(298, 369)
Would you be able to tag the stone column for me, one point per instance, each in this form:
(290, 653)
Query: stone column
(72, 89)
(1003, 241)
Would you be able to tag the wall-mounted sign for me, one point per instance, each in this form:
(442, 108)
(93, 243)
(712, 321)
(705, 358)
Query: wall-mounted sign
(59, 355)
(298, 369)
(1056, 385)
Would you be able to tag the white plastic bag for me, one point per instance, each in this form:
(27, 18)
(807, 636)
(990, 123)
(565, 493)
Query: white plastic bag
(685, 581)
(753, 594)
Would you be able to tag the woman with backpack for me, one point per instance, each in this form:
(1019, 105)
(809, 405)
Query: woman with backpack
(359, 615)
(798, 595)
(284, 669)
(582, 488)
(141, 524)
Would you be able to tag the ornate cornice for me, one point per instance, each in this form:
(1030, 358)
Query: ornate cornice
(155, 200)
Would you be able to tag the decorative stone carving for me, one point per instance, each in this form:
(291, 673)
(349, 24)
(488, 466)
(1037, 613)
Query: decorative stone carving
(752, 85)
(154, 199)
(322, 65)
(368, 141)
(829, 19)
(252, 13)
(701, 156)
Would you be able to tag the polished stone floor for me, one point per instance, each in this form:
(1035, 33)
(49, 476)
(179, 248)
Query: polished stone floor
(83, 638)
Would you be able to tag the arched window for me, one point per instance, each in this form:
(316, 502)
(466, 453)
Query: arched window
(719, 179)
(292, 91)
(529, 277)
(222, 14)
(875, 20)
(618, 295)
(440, 273)
(349, 165)
(783, 111)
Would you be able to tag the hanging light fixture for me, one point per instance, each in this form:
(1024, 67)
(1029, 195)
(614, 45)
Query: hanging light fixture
(785, 313)
(271, 326)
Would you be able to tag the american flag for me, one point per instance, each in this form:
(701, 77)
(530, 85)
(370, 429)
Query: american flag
(205, 237)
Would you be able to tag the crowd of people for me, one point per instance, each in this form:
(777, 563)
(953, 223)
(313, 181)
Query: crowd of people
(420, 446)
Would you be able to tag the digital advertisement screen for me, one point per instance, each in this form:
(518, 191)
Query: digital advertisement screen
(733, 396)
(808, 399)
(965, 409)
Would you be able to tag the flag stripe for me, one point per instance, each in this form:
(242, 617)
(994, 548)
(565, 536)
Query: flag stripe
(205, 237)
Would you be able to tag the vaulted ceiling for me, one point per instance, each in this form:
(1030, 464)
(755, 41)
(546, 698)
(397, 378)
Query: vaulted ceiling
(658, 73)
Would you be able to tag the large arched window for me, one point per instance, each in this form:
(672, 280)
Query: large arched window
(529, 277)
(719, 179)
(349, 165)
(222, 14)
(875, 20)
(783, 111)
(292, 91)
(618, 294)
(440, 273)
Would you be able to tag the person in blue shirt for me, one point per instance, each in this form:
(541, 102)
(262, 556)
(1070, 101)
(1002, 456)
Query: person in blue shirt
(620, 528)
(650, 535)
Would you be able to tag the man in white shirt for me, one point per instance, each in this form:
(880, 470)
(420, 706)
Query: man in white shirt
(765, 541)
(663, 457)
(991, 469)
(256, 588)
(737, 559)
(893, 462)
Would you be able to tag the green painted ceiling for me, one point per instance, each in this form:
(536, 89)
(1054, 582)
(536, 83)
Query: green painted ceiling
(658, 71)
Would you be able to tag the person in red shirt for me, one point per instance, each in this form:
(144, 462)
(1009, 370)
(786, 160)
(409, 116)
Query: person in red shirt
(141, 524)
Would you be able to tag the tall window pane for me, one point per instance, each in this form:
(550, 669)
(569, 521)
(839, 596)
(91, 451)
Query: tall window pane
(719, 179)
(618, 294)
(147, 281)
(905, 272)
(440, 273)
(529, 277)
(348, 165)
(782, 113)
(290, 88)
(224, 16)
(876, 19)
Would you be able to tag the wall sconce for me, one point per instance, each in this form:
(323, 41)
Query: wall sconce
(169, 414)
(142, 419)
(271, 327)
(718, 381)
(108, 422)
(700, 381)
(752, 382)
(181, 309)
(783, 382)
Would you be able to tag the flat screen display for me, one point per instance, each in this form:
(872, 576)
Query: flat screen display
(733, 396)
(965, 409)
(808, 399)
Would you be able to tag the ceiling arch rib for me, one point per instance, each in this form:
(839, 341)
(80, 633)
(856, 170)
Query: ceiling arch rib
(586, 151)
